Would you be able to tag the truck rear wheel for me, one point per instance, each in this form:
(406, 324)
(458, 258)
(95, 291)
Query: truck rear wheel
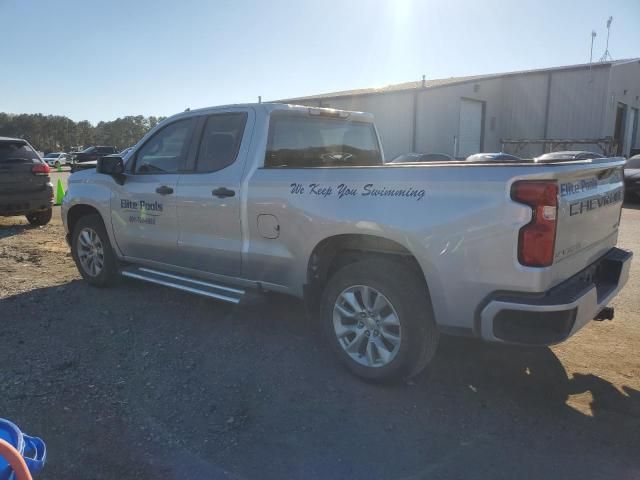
(92, 252)
(378, 319)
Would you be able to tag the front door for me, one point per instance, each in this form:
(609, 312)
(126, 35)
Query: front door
(209, 196)
(143, 208)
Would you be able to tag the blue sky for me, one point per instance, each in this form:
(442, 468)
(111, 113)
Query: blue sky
(99, 60)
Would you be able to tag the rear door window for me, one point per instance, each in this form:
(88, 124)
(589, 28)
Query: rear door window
(220, 141)
(297, 141)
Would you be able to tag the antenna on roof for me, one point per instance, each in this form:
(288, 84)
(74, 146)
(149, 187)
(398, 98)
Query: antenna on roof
(593, 37)
(259, 98)
(424, 81)
(606, 55)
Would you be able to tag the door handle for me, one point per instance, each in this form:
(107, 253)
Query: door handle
(164, 190)
(223, 192)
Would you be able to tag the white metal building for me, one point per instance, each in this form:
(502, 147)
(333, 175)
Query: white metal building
(465, 115)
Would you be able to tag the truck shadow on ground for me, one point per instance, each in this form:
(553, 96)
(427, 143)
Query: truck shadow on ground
(11, 230)
(142, 381)
(631, 204)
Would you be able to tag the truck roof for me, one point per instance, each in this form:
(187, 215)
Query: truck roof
(269, 107)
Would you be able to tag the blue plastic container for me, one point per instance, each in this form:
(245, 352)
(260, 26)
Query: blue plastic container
(32, 449)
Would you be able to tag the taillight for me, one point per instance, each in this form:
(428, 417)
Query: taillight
(537, 239)
(40, 169)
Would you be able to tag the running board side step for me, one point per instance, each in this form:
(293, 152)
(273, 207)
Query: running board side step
(186, 284)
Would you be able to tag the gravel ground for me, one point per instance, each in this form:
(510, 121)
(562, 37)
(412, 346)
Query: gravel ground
(143, 382)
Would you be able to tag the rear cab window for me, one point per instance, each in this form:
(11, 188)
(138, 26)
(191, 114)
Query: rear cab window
(301, 139)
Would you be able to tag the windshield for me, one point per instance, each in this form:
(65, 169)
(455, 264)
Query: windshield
(89, 150)
(52, 155)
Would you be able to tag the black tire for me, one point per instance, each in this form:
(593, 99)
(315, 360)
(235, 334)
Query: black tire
(40, 218)
(108, 275)
(408, 295)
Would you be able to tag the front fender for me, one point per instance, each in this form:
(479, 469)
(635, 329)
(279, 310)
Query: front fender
(86, 189)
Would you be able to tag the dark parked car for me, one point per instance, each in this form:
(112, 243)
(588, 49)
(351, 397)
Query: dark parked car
(632, 178)
(76, 167)
(568, 155)
(494, 157)
(421, 157)
(25, 186)
(91, 155)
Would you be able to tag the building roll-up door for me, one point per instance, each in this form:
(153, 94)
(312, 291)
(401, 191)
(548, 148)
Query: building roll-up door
(470, 129)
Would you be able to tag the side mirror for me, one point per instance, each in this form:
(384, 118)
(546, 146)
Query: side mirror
(110, 165)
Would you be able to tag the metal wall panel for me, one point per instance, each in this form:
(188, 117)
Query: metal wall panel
(624, 87)
(524, 100)
(577, 103)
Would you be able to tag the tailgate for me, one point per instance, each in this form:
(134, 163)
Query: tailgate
(16, 176)
(589, 209)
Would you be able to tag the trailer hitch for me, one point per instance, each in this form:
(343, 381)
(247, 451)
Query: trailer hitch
(605, 314)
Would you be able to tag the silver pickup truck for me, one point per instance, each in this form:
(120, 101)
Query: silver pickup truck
(387, 256)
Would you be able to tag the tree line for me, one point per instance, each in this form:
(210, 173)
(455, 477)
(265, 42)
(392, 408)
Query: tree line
(55, 133)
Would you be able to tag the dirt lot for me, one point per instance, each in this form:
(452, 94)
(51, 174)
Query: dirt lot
(143, 382)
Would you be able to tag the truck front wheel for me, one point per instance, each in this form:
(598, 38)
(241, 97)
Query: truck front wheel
(92, 252)
(378, 319)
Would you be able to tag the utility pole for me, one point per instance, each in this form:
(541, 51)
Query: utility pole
(593, 37)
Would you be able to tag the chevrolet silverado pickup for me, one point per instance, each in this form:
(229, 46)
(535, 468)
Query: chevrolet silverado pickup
(299, 200)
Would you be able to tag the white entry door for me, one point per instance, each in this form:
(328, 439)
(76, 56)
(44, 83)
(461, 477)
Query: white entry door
(470, 128)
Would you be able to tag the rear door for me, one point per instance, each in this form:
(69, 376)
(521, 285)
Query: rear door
(143, 208)
(209, 195)
(17, 159)
(590, 207)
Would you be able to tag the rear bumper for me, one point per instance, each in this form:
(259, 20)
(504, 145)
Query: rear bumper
(552, 317)
(23, 203)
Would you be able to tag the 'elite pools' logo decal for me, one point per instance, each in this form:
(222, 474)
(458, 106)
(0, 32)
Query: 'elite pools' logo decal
(141, 211)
